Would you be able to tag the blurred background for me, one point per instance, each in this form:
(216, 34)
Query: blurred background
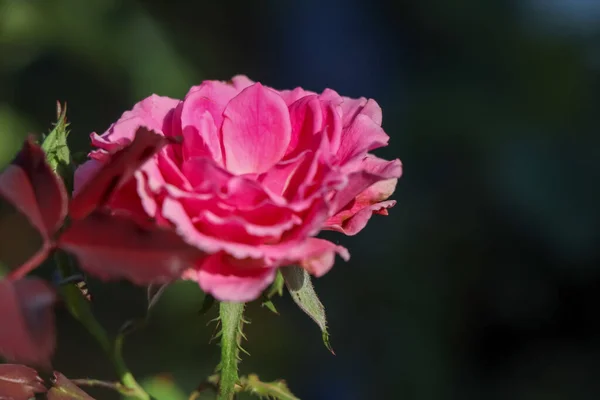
(484, 281)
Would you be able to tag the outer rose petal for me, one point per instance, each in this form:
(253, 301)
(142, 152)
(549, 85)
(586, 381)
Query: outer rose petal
(30, 185)
(317, 256)
(256, 130)
(228, 279)
(362, 136)
(97, 190)
(241, 82)
(352, 107)
(84, 173)
(291, 96)
(373, 170)
(27, 332)
(220, 93)
(352, 221)
(113, 247)
(154, 113)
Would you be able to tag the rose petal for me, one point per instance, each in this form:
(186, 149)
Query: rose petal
(18, 382)
(205, 175)
(220, 93)
(352, 107)
(317, 256)
(85, 172)
(373, 170)
(291, 96)
(306, 119)
(362, 136)
(154, 113)
(199, 128)
(230, 280)
(114, 247)
(352, 221)
(96, 191)
(27, 334)
(241, 82)
(256, 130)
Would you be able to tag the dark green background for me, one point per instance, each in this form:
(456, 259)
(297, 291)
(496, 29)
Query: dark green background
(483, 283)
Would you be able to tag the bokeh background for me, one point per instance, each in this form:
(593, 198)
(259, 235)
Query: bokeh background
(484, 281)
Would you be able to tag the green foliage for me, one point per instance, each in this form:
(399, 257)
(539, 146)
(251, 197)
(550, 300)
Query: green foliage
(163, 388)
(270, 390)
(302, 291)
(276, 288)
(207, 303)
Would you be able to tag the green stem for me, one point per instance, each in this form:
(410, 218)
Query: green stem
(231, 316)
(80, 308)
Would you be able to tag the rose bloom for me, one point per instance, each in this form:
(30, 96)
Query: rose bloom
(256, 174)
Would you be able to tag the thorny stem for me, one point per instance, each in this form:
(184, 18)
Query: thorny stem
(231, 316)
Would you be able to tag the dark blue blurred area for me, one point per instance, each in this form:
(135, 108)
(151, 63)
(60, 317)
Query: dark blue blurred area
(484, 280)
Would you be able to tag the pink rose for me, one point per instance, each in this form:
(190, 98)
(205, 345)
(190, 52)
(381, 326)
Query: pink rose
(256, 174)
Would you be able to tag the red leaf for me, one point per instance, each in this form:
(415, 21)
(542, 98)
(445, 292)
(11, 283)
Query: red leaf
(22, 246)
(116, 172)
(64, 389)
(33, 199)
(27, 333)
(31, 185)
(113, 247)
(18, 382)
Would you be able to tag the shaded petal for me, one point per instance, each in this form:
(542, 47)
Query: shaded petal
(27, 334)
(256, 130)
(306, 119)
(373, 170)
(114, 247)
(169, 171)
(352, 107)
(228, 279)
(332, 124)
(18, 382)
(277, 179)
(350, 222)
(204, 175)
(97, 190)
(85, 172)
(200, 119)
(173, 211)
(362, 136)
(237, 229)
(317, 256)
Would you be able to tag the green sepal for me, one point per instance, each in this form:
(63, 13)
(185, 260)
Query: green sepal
(56, 148)
(303, 293)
